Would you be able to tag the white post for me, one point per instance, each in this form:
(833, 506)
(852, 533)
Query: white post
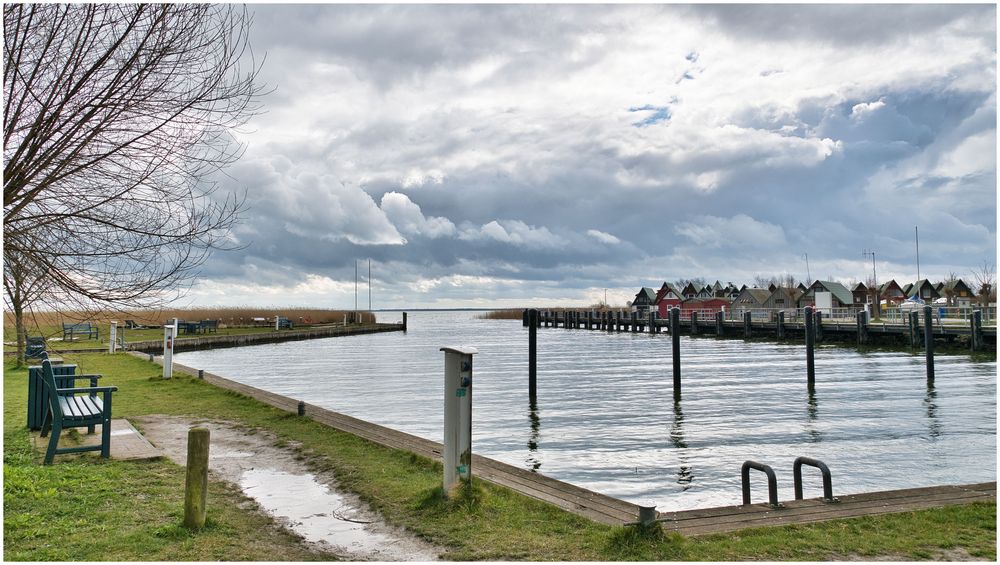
(113, 344)
(457, 415)
(276, 328)
(169, 335)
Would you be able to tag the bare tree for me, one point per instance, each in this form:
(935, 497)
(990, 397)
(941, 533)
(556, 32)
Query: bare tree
(985, 278)
(116, 118)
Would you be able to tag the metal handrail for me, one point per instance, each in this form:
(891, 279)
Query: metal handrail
(772, 482)
(797, 477)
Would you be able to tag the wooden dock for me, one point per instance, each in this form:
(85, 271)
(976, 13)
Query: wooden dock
(611, 511)
(219, 341)
(859, 329)
(731, 518)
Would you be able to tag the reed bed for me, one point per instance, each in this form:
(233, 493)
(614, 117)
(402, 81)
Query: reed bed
(516, 313)
(50, 322)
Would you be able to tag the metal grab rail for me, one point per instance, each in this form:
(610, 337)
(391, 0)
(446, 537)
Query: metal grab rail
(772, 482)
(797, 477)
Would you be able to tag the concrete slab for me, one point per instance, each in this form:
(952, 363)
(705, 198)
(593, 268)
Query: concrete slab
(127, 444)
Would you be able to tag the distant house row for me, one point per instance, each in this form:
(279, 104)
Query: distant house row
(830, 294)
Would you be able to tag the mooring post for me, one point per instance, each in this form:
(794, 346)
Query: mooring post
(720, 317)
(608, 321)
(747, 324)
(819, 325)
(862, 327)
(976, 321)
(647, 516)
(810, 344)
(201, 374)
(781, 324)
(914, 320)
(675, 344)
(652, 322)
(532, 353)
(196, 479)
(404, 322)
(524, 318)
(458, 414)
(301, 408)
(929, 341)
(694, 322)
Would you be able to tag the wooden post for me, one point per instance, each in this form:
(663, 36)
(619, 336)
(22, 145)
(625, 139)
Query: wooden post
(976, 334)
(196, 480)
(929, 341)
(632, 319)
(914, 320)
(694, 322)
(675, 343)
(747, 324)
(720, 316)
(810, 345)
(404, 322)
(652, 322)
(532, 353)
(618, 320)
(819, 325)
(608, 321)
(781, 324)
(524, 318)
(862, 328)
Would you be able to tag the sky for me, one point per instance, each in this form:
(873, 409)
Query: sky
(534, 155)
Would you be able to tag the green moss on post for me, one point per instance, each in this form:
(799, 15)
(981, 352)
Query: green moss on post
(196, 483)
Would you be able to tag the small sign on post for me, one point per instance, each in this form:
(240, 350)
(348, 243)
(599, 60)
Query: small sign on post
(169, 336)
(113, 342)
(457, 415)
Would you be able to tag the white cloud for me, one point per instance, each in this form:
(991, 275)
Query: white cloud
(739, 232)
(514, 232)
(408, 219)
(603, 237)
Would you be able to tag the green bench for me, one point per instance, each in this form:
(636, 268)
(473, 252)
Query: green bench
(91, 330)
(75, 407)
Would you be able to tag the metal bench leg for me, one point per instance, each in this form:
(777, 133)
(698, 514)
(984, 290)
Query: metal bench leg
(106, 428)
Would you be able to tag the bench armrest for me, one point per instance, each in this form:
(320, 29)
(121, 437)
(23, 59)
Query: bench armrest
(79, 376)
(87, 389)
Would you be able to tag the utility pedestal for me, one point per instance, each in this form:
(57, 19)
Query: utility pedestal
(169, 336)
(457, 415)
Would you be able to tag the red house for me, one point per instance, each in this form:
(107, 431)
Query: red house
(713, 304)
(666, 298)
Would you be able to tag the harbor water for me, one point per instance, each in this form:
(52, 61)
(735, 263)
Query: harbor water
(606, 420)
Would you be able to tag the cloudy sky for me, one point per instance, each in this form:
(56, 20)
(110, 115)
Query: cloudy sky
(493, 155)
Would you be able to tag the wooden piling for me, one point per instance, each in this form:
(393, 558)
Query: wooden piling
(634, 326)
(652, 322)
(747, 324)
(781, 324)
(862, 322)
(976, 330)
(404, 322)
(810, 345)
(720, 317)
(675, 343)
(532, 353)
(819, 325)
(196, 479)
(524, 318)
(929, 341)
(914, 326)
(694, 322)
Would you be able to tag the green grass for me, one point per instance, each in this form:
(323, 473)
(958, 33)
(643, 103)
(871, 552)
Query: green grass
(82, 508)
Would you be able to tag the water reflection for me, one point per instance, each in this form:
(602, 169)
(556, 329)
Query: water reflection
(930, 403)
(812, 411)
(533, 461)
(684, 474)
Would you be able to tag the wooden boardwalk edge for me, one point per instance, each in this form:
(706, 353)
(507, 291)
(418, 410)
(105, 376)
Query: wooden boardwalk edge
(612, 511)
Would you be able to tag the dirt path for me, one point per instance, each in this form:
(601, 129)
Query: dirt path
(308, 504)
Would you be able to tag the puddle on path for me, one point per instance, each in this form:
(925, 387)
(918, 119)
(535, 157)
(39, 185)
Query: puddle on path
(284, 488)
(321, 515)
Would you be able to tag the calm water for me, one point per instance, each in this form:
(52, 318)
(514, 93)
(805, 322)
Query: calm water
(606, 419)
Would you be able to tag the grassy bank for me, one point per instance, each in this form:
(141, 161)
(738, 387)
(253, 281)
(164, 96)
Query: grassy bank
(85, 509)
